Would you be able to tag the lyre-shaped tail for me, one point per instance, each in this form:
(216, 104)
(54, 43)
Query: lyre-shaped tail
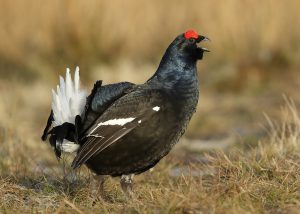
(68, 100)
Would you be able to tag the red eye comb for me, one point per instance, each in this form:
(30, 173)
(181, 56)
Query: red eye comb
(191, 34)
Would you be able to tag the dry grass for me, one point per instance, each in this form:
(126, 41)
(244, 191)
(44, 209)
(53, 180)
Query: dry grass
(250, 178)
(42, 38)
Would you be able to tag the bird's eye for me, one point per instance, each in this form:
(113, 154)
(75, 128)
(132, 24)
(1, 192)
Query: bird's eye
(192, 40)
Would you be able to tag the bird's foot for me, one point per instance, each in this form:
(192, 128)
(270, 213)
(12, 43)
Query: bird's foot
(127, 184)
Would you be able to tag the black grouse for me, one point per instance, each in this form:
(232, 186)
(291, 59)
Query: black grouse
(124, 129)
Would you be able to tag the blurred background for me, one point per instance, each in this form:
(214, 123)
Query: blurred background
(254, 60)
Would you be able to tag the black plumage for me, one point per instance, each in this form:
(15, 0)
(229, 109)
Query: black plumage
(127, 128)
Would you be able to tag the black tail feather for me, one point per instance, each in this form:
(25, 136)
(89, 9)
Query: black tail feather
(49, 123)
(66, 131)
(57, 150)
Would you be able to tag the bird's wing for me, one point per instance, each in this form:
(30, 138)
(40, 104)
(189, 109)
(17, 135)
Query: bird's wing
(121, 118)
(101, 97)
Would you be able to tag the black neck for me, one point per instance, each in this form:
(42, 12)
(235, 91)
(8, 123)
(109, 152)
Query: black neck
(174, 71)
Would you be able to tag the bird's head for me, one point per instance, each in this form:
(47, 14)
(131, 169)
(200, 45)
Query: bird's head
(186, 45)
(179, 60)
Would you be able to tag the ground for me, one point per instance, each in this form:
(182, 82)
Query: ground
(225, 171)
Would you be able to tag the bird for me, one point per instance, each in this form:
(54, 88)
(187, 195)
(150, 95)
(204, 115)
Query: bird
(124, 129)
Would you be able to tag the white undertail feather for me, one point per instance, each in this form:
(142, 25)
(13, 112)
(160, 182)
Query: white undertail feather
(68, 146)
(69, 100)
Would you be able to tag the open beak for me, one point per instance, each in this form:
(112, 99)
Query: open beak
(203, 39)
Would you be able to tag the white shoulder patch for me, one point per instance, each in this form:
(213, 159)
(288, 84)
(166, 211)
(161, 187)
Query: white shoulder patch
(119, 122)
(113, 122)
(156, 108)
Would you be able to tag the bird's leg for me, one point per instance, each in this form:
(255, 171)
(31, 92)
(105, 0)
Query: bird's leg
(99, 190)
(127, 184)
